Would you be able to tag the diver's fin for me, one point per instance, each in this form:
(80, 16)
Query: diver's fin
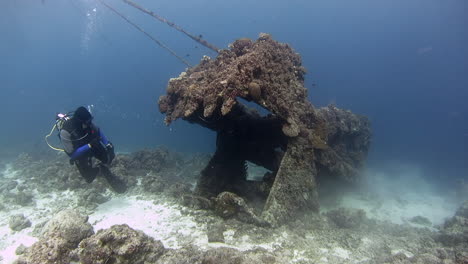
(118, 185)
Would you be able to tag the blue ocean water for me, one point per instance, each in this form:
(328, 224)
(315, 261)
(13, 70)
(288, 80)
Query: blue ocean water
(404, 64)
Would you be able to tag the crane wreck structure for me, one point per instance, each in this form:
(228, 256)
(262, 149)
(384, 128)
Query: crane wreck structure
(297, 142)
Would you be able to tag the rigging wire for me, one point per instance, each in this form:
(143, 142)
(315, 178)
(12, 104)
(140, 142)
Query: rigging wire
(146, 33)
(162, 19)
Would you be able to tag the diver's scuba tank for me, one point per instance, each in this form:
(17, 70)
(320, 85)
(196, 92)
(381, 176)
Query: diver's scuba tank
(60, 118)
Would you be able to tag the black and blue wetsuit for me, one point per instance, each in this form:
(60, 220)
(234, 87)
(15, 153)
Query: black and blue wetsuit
(83, 141)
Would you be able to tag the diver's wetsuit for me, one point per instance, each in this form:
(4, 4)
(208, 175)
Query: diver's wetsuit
(82, 143)
(74, 136)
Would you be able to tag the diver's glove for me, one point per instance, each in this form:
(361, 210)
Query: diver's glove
(95, 143)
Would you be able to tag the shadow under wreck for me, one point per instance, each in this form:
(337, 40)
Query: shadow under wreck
(296, 141)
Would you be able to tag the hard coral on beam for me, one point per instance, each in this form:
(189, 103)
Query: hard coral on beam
(295, 141)
(266, 72)
(348, 140)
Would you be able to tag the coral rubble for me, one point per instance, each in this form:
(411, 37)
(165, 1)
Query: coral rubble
(19, 222)
(60, 236)
(69, 238)
(296, 141)
(232, 232)
(119, 244)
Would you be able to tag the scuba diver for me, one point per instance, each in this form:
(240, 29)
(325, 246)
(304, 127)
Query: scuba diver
(82, 140)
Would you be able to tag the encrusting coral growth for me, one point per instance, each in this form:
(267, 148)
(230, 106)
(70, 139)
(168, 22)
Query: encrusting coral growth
(228, 233)
(60, 236)
(296, 141)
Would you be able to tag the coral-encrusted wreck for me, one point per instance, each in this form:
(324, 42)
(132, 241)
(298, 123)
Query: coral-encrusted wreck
(297, 142)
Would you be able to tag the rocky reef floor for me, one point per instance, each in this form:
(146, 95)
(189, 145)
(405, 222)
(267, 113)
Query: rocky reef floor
(395, 221)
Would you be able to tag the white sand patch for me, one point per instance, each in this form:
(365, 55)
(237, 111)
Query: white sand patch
(45, 206)
(340, 252)
(323, 250)
(400, 209)
(336, 252)
(405, 252)
(399, 197)
(298, 256)
(12, 241)
(44, 209)
(246, 243)
(9, 173)
(161, 221)
(165, 222)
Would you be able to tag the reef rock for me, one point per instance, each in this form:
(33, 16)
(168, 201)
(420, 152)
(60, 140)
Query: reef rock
(228, 205)
(455, 229)
(215, 232)
(119, 244)
(347, 142)
(91, 199)
(60, 236)
(295, 141)
(46, 176)
(154, 160)
(18, 222)
(420, 220)
(347, 217)
(197, 202)
(216, 255)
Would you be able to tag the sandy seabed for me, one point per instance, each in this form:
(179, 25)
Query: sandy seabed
(390, 207)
